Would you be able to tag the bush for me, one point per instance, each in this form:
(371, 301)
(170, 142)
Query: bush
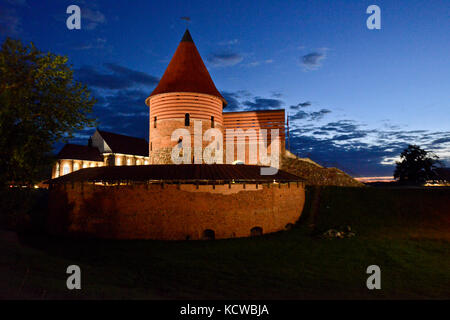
(23, 208)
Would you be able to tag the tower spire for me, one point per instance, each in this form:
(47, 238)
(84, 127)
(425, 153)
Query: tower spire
(187, 37)
(186, 72)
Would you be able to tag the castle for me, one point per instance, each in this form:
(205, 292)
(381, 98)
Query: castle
(185, 95)
(125, 187)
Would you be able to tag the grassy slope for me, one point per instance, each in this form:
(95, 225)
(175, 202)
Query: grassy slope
(405, 232)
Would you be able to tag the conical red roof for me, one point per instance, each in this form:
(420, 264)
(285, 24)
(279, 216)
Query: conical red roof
(186, 72)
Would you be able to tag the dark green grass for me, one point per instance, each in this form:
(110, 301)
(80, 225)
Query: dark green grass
(395, 229)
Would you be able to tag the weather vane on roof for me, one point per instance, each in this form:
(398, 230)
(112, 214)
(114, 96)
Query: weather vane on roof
(187, 19)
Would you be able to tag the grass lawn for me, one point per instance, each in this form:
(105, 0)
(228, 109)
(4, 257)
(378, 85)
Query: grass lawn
(404, 231)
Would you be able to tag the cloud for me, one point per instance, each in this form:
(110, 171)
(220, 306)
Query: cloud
(232, 99)
(276, 94)
(98, 43)
(228, 42)
(318, 115)
(301, 105)
(358, 150)
(300, 115)
(243, 100)
(123, 111)
(94, 78)
(342, 126)
(120, 93)
(90, 19)
(119, 78)
(257, 63)
(351, 136)
(135, 76)
(259, 103)
(441, 140)
(10, 22)
(310, 116)
(224, 59)
(312, 61)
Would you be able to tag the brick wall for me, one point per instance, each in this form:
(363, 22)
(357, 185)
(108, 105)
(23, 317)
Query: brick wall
(172, 212)
(170, 109)
(254, 120)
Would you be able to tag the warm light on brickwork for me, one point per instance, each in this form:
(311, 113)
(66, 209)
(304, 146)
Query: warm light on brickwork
(174, 212)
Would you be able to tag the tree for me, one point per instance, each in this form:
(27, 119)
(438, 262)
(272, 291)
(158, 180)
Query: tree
(416, 165)
(40, 104)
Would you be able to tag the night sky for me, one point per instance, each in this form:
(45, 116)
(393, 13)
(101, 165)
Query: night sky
(356, 97)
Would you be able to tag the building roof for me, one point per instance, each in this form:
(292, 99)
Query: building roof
(183, 173)
(125, 144)
(79, 152)
(186, 72)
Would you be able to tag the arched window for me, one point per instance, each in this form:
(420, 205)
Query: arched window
(186, 120)
(146, 162)
(128, 162)
(118, 161)
(66, 169)
(209, 234)
(85, 165)
(256, 231)
(138, 162)
(92, 164)
(154, 122)
(76, 166)
(212, 121)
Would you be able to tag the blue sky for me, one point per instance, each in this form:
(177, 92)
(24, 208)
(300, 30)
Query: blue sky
(356, 97)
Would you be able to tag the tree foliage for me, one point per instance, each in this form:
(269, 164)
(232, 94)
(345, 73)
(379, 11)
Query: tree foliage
(416, 165)
(40, 104)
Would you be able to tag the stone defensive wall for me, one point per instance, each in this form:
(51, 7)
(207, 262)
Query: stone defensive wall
(173, 211)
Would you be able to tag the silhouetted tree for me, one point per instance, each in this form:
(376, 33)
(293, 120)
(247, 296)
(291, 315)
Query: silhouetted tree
(40, 104)
(416, 165)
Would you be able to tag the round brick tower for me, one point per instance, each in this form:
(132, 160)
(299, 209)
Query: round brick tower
(185, 95)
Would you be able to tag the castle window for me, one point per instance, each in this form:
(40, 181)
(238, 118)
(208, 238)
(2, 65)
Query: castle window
(154, 122)
(208, 234)
(118, 161)
(76, 166)
(146, 162)
(128, 162)
(138, 162)
(151, 146)
(66, 169)
(212, 121)
(85, 165)
(256, 231)
(186, 120)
